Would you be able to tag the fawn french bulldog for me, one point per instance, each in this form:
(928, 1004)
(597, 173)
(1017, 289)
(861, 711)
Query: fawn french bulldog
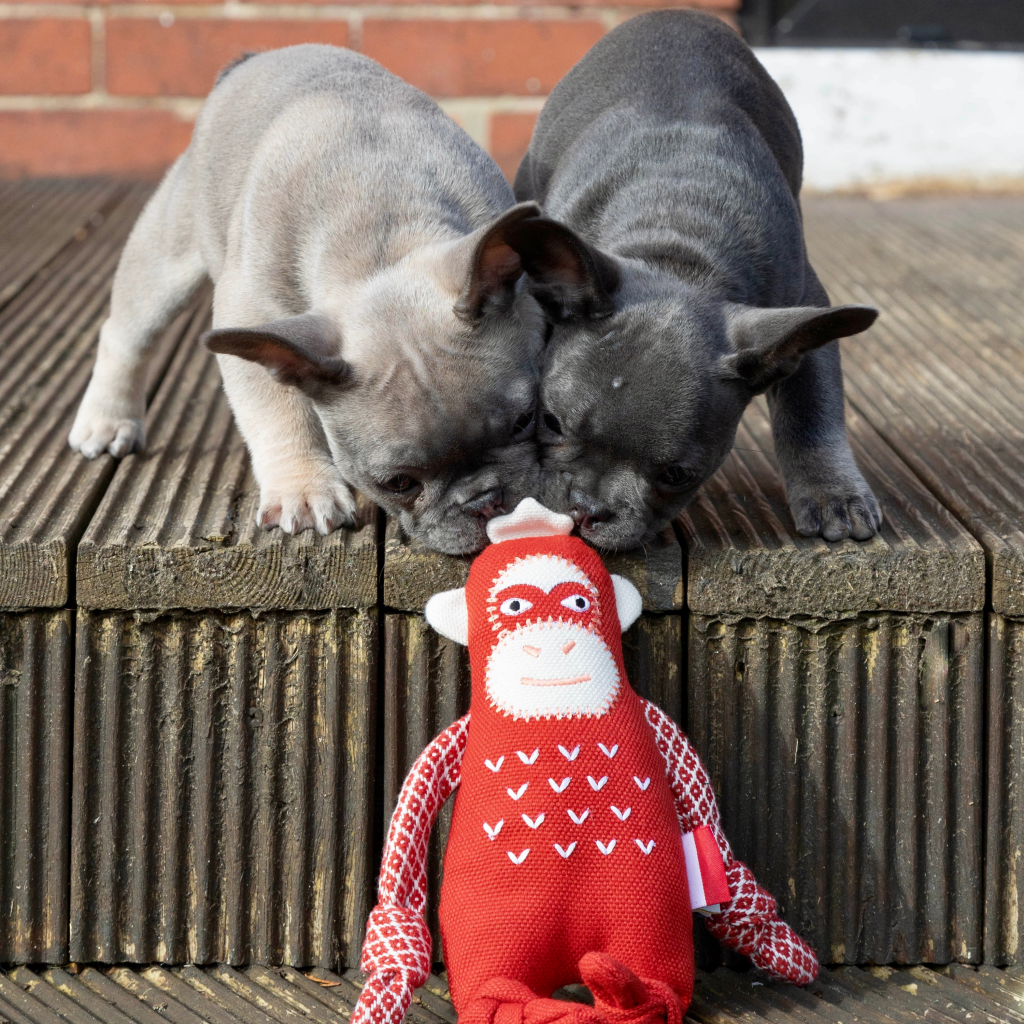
(367, 317)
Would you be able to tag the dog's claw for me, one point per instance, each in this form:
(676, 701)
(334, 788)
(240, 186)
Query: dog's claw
(92, 435)
(323, 506)
(836, 518)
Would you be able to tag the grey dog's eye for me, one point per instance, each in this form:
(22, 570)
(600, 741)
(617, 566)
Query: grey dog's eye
(676, 476)
(401, 483)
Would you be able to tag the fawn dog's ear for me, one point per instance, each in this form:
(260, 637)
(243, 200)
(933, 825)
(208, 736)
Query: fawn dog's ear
(448, 614)
(485, 265)
(298, 350)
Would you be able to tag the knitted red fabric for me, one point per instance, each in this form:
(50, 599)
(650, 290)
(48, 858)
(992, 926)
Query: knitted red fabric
(586, 852)
(620, 997)
(565, 847)
(749, 924)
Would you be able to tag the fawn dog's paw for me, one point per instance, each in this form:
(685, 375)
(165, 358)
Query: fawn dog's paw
(97, 430)
(324, 503)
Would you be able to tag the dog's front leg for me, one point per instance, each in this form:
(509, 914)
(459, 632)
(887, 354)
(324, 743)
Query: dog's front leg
(158, 273)
(827, 492)
(300, 485)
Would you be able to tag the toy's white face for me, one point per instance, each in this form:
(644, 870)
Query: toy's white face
(550, 659)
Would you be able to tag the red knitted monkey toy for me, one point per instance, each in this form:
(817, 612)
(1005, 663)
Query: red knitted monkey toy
(584, 819)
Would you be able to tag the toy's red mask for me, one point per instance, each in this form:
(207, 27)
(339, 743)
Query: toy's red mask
(542, 618)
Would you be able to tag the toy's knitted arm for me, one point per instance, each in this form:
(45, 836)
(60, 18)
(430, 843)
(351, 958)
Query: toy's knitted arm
(396, 952)
(749, 924)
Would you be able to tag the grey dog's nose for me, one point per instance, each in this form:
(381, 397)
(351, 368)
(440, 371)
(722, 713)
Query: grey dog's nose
(486, 505)
(587, 513)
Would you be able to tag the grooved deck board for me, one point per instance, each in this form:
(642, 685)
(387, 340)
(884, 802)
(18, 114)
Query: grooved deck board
(176, 527)
(39, 218)
(941, 374)
(941, 378)
(36, 650)
(222, 786)
(267, 995)
(847, 760)
(48, 334)
(412, 572)
(744, 556)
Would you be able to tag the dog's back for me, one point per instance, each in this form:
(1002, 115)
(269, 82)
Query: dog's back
(673, 66)
(340, 129)
(673, 162)
(673, 104)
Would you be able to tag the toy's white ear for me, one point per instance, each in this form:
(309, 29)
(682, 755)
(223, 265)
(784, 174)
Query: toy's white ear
(448, 614)
(628, 602)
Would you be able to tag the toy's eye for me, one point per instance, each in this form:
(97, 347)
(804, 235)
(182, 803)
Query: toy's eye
(515, 606)
(576, 603)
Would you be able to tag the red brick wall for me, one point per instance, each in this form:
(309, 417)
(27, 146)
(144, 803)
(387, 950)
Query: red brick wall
(112, 88)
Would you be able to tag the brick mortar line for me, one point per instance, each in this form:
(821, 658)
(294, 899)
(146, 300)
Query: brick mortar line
(188, 107)
(185, 107)
(236, 11)
(98, 56)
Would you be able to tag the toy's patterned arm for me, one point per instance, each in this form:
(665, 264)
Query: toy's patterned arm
(396, 952)
(749, 923)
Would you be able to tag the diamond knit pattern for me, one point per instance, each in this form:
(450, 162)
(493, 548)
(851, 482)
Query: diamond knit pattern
(749, 924)
(396, 952)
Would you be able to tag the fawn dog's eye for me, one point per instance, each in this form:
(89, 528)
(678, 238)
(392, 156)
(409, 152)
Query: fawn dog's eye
(401, 484)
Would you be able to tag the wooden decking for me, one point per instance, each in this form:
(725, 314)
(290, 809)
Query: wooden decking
(267, 995)
(203, 725)
(261, 995)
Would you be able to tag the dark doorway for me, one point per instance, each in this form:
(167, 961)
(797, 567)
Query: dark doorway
(976, 24)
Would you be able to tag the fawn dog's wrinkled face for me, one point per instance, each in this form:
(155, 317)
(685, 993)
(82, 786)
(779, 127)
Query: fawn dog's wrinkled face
(644, 382)
(425, 383)
(542, 618)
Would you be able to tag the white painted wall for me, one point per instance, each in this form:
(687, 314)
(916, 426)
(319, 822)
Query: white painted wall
(882, 117)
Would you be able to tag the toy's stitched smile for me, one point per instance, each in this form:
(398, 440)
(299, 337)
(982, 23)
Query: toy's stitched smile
(554, 682)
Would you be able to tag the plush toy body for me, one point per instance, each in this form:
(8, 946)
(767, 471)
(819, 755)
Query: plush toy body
(565, 861)
(585, 856)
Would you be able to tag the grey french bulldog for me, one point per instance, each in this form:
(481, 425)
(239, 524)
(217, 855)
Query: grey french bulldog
(674, 163)
(368, 318)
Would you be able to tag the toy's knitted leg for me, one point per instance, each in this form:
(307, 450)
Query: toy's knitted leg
(620, 997)
(749, 924)
(506, 1001)
(396, 953)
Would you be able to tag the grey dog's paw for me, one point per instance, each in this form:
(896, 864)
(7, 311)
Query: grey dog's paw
(836, 513)
(323, 505)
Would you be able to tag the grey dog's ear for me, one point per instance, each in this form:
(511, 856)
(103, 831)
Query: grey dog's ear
(568, 277)
(488, 264)
(297, 350)
(767, 344)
